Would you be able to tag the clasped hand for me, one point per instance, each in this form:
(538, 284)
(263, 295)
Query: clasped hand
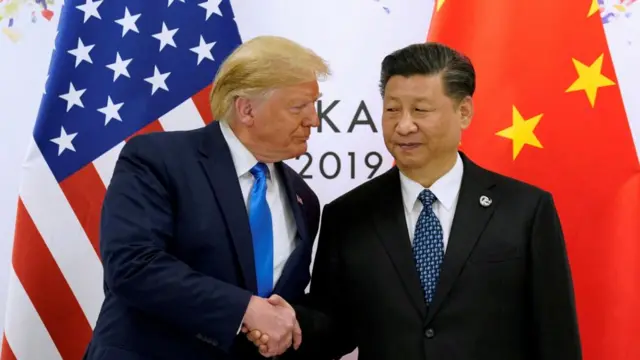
(271, 325)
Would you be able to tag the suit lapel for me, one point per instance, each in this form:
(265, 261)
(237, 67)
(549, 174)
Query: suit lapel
(294, 201)
(219, 168)
(391, 226)
(469, 221)
(301, 226)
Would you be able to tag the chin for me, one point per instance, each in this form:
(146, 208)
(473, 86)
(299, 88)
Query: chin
(405, 162)
(296, 152)
(301, 148)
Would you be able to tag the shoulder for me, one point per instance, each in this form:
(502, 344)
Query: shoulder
(158, 152)
(511, 189)
(170, 149)
(516, 186)
(158, 143)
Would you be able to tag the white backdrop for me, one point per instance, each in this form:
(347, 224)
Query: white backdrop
(353, 35)
(354, 40)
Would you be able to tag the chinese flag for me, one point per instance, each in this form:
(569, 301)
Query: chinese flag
(548, 111)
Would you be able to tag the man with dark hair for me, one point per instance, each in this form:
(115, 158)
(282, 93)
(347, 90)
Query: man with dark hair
(438, 258)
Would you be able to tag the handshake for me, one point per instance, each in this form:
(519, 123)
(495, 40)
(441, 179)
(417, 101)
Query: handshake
(271, 325)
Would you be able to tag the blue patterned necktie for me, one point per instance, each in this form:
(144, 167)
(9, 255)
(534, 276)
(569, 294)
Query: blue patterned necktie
(428, 246)
(261, 230)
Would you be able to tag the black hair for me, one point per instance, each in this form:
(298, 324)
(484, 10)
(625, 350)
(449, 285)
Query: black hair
(431, 58)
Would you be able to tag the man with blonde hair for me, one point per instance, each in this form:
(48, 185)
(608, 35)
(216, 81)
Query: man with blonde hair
(199, 228)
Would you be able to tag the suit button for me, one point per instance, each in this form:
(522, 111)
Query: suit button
(429, 333)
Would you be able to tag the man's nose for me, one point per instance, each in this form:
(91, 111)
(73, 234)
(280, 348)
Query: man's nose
(406, 125)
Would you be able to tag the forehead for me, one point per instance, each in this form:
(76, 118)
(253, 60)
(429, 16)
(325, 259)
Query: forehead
(414, 87)
(305, 91)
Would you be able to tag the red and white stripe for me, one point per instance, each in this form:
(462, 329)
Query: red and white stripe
(55, 290)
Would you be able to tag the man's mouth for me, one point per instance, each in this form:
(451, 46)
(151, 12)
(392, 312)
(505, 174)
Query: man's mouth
(408, 145)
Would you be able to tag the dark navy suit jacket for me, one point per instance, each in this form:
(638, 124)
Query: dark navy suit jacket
(177, 250)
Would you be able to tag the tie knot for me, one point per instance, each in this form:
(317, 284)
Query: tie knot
(426, 197)
(259, 171)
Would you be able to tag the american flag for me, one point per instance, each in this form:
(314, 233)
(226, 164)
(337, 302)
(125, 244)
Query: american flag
(119, 68)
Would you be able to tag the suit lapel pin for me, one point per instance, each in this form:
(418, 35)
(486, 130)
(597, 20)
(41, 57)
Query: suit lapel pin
(485, 201)
(299, 199)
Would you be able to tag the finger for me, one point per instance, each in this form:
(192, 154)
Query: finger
(279, 344)
(255, 335)
(286, 343)
(264, 338)
(257, 343)
(274, 343)
(268, 351)
(264, 351)
(297, 336)
(268, 354)
(252, 336)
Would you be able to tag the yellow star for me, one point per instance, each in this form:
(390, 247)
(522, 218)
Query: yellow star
(594, 8)
(440, 3)
(590, 78)
(521, 132)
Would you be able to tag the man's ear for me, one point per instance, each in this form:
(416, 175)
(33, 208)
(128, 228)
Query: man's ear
(245, 110)
(466, 111)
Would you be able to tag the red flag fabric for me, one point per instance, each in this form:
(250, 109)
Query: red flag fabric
(549, 112)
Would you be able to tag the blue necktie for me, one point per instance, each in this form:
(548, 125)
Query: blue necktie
(428, 246)
(261, 230)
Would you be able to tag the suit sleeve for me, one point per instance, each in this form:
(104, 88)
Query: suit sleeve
(136, 230)
(325, 323)
(555, 332)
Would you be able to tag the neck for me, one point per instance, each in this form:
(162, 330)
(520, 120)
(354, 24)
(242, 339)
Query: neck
(431, 172)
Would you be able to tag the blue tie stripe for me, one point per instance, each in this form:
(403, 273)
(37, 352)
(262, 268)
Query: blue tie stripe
(261, 230)
(428, 245)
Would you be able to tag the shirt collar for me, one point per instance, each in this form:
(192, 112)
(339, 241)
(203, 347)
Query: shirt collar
(243, 159)
(446, 188)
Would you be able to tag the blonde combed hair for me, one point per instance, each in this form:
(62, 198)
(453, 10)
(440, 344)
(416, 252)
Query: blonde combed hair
(260, 65)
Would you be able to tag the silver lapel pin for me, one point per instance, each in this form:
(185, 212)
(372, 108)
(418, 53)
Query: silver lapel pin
(485, 201)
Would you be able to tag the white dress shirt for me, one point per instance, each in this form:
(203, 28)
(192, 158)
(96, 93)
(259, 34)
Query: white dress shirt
(446, 190)
(284, 225)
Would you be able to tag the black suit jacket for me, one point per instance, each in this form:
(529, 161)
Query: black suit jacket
(505, 290)
(177, 251)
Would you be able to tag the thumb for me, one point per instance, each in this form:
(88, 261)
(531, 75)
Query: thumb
(276, 300)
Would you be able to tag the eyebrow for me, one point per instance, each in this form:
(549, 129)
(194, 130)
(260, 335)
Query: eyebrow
(417, 99)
